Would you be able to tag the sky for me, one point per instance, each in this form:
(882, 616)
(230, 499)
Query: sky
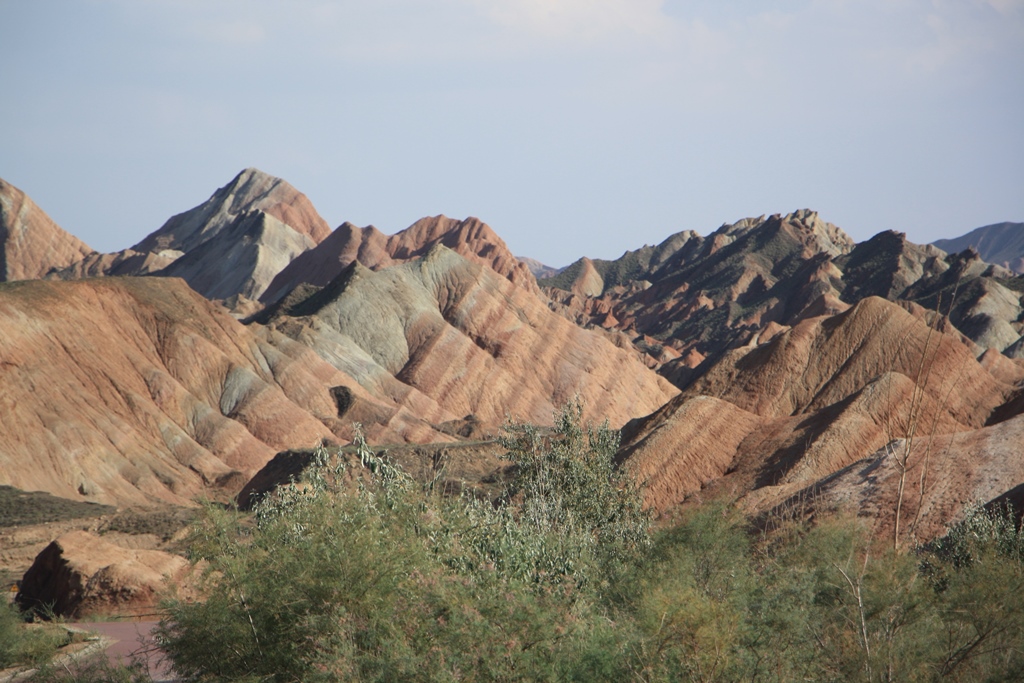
(572, 127)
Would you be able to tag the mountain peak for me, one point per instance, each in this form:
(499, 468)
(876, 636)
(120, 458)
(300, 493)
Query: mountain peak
(250, 190)
(31, 244)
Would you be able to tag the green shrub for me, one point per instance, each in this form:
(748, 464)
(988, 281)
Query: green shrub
(365, 576)
(360, 574)
(23, 646)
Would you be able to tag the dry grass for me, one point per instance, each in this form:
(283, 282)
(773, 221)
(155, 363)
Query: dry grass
(22, 508)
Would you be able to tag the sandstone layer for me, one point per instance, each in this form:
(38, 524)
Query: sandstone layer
(137, 390)
(448, 332)
(470, 238)
(31, 244)
(767, 421)
(81, 575)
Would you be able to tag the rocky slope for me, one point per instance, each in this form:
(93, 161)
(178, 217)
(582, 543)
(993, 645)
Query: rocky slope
(250, 190)
(138, 390)
(445, 333)
(229, 247)
(31, 244)
(1000, 243)
(768, 421)
(701, 296)
(470, 238)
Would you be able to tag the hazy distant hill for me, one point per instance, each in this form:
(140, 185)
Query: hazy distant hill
(999, 243)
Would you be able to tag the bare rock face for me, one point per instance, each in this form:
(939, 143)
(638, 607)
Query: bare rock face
(236, 242)
(470, 238)
(228, 248)
(721, 292)
(251, 190)
(708, 294)
(454, 334)
(118, 263)
(945, 473)
(138, 390)
(242, 259)
(886, 265)
(768, 421)
(31, 244)
(80, 574)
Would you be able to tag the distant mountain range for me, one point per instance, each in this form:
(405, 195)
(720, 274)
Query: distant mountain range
(773, 360)
(1000, 243)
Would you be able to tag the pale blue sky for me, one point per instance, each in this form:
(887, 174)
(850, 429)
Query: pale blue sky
(573, 127)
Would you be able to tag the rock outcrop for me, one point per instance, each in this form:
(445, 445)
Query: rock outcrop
(768, 421)
(81, 575)
(470, 238)
(228, 248)
(138, 390)
(31, 244)
(729, 289)
(250, 190)
(708, 294)
(448, 332)
(237, 241)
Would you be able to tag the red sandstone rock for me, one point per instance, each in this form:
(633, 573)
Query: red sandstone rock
(470, 238)
(81, 575)
(31, 244)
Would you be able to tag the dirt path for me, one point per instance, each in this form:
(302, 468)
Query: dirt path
(131, 640)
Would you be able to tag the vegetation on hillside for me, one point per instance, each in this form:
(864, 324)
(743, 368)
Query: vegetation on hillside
(20, 508)
(365, 575)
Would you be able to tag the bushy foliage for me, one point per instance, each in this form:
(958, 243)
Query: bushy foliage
(20, 645)
(358, 573)
(568, 515)
(378, 579)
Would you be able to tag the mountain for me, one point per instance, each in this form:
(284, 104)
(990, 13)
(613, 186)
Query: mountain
(764, 359)
(771, 420)
(472, 238)
(539, 270)
(707, 294)
(999, 243)
(447, 331)
(238, 240)
(138, 390)
(242, 259)
(31, 244)
(228, 248)
(701, 296)
(250, 190)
